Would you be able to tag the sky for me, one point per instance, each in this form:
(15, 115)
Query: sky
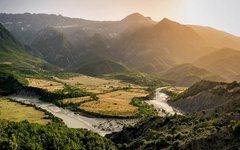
(219, 14)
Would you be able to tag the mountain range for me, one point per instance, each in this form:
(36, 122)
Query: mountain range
(133, 44)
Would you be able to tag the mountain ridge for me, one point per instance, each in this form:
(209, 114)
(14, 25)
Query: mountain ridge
(146, 46)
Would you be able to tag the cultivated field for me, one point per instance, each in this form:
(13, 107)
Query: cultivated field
(15, 111)
(95, 85)
(176, 90)
(115, 103)
(76, 99)
(114, 96)
(45, 84)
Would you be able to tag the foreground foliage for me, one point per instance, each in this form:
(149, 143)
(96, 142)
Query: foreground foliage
(24, 135)
(182, 132)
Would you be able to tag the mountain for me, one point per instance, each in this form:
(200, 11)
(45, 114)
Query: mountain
(156, 48)
(135, 42)
(188, 74)
(25, 26)
(224, 62)
(15, 57)
(53, 47)
(95, 65)
(216, 38)
(135, 21)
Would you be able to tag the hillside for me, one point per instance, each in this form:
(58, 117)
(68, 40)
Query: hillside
(187, 75)
(135, 42)
(95, 65)
(52, 46)
(211, 121)
(159, 47)
(216, 38)
(16, 58)
(210, 97)
(224, 62)
(182, 132)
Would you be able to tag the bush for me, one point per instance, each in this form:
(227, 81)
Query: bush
(236, 129)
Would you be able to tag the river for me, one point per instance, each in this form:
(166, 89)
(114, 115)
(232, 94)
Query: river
(160, 102)
(101, 126)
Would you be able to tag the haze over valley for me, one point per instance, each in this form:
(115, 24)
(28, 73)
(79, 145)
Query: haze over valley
(131, 83)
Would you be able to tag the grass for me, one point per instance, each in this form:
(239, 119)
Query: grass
(51, 86)
(95, 85)
(76, 100)
(113, 97)
(115, 103)
(14, 111)
(174, 91)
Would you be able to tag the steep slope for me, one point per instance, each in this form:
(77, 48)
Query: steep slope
(136, 42)
(93, 64)
(224, 62)
(135, 21)
(25, 26)
(53, 47)
(159, 47)
(216, 38)
(9, 83)
(182, 132)
(14, 56)
(210, 97)
(187, 75)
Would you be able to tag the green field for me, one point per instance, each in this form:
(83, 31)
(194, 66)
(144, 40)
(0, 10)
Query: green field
(14, 111)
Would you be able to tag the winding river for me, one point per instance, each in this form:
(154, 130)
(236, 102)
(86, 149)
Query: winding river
(101, 126)
(160, 102)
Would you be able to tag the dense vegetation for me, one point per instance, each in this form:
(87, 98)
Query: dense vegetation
(24, 135)
(195, 89)
(145, 110)
(10, 83)
(214, 128)
(136, 77)
(182, 132)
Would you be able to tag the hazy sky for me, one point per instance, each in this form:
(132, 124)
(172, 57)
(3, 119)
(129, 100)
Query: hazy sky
(220, 14)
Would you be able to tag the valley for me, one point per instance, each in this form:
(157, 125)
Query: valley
(77, 120)
(105, 97)
(135, 83)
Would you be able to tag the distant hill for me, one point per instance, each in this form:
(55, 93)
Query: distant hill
(224, 62)
(135, 42)
(95, 65)
(187, 75)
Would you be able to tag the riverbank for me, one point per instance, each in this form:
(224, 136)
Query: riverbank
(101, 126)
(160, 103)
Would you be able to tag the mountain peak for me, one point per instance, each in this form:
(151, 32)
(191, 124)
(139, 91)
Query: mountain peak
(137, 17)
(167, 21)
